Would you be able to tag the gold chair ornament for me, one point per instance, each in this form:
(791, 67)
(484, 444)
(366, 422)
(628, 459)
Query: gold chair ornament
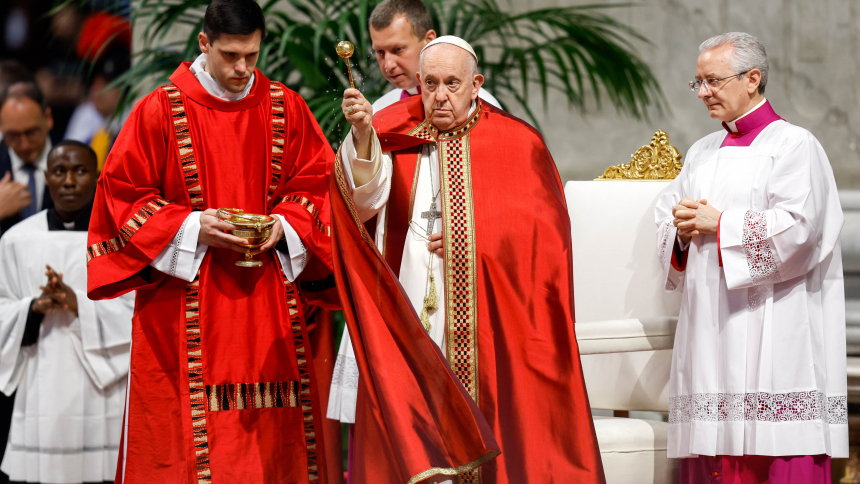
(657, 160)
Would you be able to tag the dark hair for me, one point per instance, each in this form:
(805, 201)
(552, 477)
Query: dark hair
(27, 89)
(415, 11)
(12, 71)
(233, 17)
(77, 144)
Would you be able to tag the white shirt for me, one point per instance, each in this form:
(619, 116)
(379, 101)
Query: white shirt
(184, 255)
(22, 176)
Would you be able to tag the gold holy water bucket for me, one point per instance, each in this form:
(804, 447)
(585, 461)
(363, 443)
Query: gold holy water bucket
(256, 229)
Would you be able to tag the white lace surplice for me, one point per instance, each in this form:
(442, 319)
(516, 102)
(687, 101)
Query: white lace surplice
(759, 359)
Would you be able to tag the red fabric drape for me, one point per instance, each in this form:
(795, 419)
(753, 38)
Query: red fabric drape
(414, 417)
(528, 379)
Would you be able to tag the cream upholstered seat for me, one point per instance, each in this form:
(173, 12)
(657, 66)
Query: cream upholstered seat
(625, 323)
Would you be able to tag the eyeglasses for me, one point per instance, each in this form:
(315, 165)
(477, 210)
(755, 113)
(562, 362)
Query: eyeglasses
(711, 84)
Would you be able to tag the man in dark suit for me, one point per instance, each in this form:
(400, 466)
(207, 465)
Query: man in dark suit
(25, 122)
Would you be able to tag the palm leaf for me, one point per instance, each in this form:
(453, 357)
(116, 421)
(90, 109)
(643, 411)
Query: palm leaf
(579, 51)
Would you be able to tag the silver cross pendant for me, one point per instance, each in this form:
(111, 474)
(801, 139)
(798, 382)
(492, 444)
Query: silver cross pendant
(431, 216)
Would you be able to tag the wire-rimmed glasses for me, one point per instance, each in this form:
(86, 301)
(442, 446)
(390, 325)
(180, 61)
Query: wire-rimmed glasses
(711, 84)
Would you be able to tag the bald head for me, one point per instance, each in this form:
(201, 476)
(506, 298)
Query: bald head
(449, 81)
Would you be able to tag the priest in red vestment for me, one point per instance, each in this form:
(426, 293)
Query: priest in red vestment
(221, 387)
(449, 220)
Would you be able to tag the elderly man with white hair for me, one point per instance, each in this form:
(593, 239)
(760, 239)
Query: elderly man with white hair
(750, 232)
(451, 243)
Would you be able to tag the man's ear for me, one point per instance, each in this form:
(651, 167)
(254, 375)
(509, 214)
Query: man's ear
(477, 82)
(203, 41)
(418, 76)
(430, 36)
(754, 82)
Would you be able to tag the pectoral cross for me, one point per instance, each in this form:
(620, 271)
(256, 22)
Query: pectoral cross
(431, 216)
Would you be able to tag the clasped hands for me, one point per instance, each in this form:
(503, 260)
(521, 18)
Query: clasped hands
(56, 295)
(213, 232)
(695, 218)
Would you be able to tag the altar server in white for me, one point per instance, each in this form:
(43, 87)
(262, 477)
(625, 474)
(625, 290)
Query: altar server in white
(749, 231)
(66, 356)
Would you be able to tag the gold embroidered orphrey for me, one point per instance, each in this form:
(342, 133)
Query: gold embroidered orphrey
(657, 160)
(458, 221)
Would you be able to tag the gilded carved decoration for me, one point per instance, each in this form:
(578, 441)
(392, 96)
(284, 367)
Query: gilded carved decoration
(657, 160)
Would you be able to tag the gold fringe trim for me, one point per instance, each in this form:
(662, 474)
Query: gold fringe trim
(448, 471)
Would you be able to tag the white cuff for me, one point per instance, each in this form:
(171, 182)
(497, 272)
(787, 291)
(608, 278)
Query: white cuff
(373, 195)
(294, 262)
(360, 164)
(183, 256)
(681, 243)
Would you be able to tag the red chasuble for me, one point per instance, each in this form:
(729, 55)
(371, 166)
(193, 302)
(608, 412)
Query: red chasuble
(221, 388)
(508, 291)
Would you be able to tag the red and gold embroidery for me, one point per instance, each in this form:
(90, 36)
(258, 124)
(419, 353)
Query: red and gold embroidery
(127, 230)
(309, 206)
(194, 348)
(427, 131)
(346, 193)
(304, 391)
(197, 393)
(247, 396)
(460, 290)
(278, 137)
(186, 151)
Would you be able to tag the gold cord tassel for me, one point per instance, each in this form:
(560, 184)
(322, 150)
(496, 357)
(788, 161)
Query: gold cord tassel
(431, 303)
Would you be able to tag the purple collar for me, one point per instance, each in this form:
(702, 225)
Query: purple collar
(750, 126)
(405, 94)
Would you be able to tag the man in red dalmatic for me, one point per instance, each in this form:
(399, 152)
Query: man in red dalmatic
(221, 385)
(470, 253)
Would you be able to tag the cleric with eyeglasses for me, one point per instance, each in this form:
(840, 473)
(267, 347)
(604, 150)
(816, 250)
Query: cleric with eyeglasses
(749, 231)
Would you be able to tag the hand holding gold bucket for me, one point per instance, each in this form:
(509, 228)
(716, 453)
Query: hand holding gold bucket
(256, 229)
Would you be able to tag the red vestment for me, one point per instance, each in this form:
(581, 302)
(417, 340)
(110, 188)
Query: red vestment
(222, 386)
(509, 295)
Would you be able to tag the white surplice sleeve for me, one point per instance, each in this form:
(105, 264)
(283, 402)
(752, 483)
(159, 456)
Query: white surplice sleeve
(183, 255)
(14, 308)
(104, 332)
(798, 230)
(293, 263)
(667, 233)
(371, 197)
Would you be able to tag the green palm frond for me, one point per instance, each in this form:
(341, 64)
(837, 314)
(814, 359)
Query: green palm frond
(580, 52)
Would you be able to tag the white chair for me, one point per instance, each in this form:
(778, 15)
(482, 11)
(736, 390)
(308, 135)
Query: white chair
(625, 323)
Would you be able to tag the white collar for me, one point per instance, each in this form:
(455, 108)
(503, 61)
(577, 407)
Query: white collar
(413, 91)
(732, 124)
(41, 162)
(198, 68)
